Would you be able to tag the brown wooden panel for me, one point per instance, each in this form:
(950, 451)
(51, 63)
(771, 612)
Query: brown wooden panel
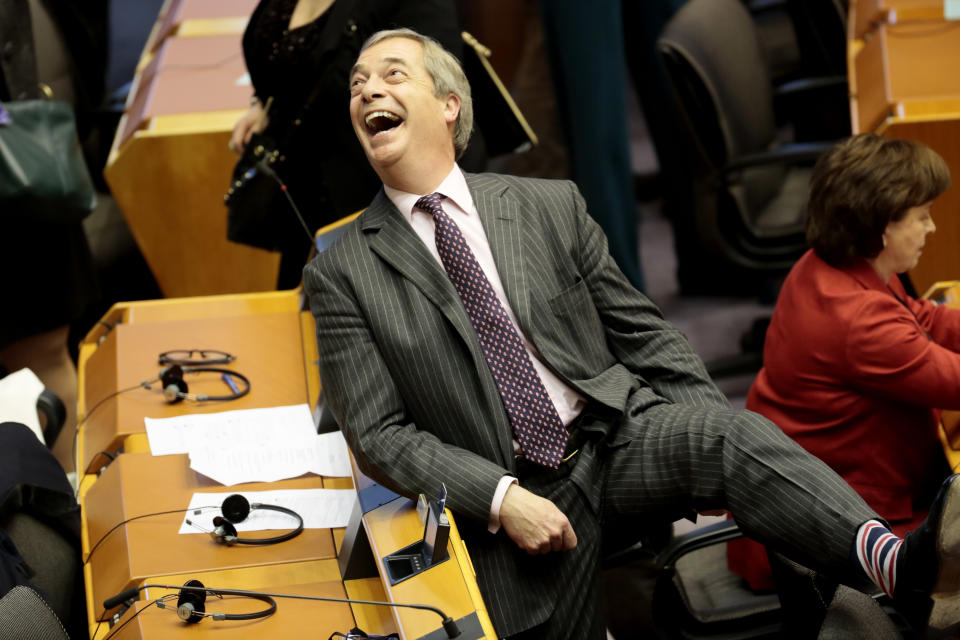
(170, 188)
(268, 348)
(136, 484)
(872, 90)
(293, 619)
(940, 259)
(868, 14)
(923, 59)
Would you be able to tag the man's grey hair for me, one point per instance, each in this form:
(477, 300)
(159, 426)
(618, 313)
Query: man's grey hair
(447, 75)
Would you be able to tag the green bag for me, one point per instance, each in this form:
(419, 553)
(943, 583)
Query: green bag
(42, 171)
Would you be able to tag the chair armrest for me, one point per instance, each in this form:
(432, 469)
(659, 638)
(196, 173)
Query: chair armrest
(797, 153)
(51, 406)
(697, 539)
(803, 85)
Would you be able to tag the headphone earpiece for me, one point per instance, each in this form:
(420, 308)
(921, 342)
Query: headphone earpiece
(190, 603)
(235, 508)
(173, 385)
(224, 532)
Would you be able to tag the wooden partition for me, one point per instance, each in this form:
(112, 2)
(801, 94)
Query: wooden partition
(262, 343)
(865, 15)
(169, 165)
(138, 484)
(903, 84)
(192, 17)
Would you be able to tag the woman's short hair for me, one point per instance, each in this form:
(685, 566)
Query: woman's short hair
(860, 186)
(448, 77)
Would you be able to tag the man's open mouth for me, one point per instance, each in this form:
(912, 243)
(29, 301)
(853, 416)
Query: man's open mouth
(379, 121)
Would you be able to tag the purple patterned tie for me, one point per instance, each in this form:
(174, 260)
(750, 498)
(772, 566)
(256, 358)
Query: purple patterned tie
(536, 423)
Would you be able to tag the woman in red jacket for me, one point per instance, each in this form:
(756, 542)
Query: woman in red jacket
(855, 370)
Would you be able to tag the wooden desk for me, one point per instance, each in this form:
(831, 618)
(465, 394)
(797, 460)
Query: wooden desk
(904, 84)
(150, 550)
(136, 484)
(199, 17)
(450, 585)
(291, 620)
(169, 165)
(865, 15)
(262, 343)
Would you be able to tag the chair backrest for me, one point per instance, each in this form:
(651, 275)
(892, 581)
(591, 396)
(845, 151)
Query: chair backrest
(821, 30)
(750, 217)
(24, 615)
(715, 64)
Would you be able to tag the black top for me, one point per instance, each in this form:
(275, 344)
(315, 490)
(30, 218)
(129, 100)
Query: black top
(325, 169)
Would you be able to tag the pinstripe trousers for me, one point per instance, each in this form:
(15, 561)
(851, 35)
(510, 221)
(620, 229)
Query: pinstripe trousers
(674, 459)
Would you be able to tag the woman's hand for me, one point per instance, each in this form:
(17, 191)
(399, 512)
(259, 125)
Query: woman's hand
(253, 121)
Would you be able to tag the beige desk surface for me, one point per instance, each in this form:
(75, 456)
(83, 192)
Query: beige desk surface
(136, 484)
(269, 350)
(293, 618)
(866, 14)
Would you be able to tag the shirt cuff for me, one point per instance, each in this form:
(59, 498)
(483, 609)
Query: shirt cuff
(494, 524)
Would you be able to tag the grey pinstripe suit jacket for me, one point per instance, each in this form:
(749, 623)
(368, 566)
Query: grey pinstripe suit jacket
(405, 377)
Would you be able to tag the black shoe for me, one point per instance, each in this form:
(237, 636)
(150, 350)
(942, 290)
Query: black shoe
(927, 592)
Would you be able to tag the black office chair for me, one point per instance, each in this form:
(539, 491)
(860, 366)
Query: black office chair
(43, 527)
(750, 189)
(697, 598)
(817, 104)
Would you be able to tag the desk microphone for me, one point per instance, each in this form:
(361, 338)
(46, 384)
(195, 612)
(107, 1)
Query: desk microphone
(264, 167)
(195, 586)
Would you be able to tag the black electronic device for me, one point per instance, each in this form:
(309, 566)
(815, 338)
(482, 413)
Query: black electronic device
(430, 550)
(174, 388)
(234, 509)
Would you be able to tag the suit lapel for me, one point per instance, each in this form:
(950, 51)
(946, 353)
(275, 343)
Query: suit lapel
(499, 214)
(397, 243)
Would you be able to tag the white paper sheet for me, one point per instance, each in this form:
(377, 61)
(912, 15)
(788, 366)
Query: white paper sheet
(319, 508)
(228, 428)
(324, 454)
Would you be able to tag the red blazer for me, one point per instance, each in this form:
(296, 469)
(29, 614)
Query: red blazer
(856, 371)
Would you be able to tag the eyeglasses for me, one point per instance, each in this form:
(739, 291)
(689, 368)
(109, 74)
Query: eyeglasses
(195, 356)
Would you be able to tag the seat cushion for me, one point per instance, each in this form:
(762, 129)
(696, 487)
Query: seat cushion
(712, 593)
(24, 615)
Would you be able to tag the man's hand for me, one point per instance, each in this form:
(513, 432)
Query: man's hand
(535, 523)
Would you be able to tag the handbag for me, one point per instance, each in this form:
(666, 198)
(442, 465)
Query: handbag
(42, 171)
(253, 195)
(256, 190)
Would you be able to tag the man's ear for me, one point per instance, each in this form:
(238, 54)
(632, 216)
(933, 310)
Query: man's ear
(451, 108)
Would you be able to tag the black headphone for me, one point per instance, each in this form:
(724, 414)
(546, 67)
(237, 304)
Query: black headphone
(191, 608)
(235, 509)
(174, 387)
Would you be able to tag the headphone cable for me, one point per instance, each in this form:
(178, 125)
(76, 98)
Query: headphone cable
(145, 515)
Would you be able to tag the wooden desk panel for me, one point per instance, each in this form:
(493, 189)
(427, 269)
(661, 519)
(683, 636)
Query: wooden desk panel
(293, 619)
(940, 259)
(905, 86)
(269, 350)
(865, 15)
(136, 484)
(392, 527)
